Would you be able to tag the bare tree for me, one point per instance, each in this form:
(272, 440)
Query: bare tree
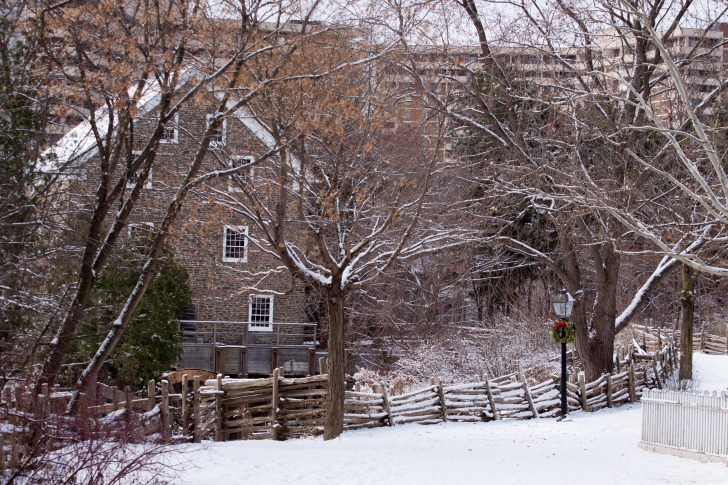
(559, 115)
(126, 69)
(344, 200)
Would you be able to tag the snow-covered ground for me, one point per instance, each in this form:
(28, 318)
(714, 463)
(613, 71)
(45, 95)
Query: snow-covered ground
(593, 448)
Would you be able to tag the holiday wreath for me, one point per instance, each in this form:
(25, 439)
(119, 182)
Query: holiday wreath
(563, 332)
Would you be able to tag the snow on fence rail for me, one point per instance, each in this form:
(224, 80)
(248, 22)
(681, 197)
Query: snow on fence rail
(686, 424)
(280, 408)
(651, 338)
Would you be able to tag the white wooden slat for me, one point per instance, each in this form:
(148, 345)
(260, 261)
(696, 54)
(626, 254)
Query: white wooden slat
(686, 421)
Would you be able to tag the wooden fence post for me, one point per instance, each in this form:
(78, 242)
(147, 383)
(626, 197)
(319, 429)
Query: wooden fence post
(610, 402)
(218, 409)
(196, 432)
(128, 398)
(115, 398)
(582, 391)
(654, 369)
(702, 337)
(441, 396)
(183, 409)
(385, 401)
(151, 394)
(164, 412)
(491, 401)
(631, 385)
(274, 405)
(619, 357)
(529, 399)
(659, 340)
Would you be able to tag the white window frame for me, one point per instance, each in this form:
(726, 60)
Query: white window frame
(250, 172)
(143, 240)
(222, 127)
(172, 124)
(135, 225)
(228, 259)
(260, 326)
(130, 182)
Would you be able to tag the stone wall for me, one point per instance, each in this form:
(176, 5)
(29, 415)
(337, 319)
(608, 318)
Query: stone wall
(220, 290)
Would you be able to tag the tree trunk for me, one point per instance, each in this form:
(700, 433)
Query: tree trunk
(595, 336)
(334, 423)
(597, 350)
(687, 310)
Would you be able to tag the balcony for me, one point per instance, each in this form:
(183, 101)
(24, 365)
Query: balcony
(250, 349)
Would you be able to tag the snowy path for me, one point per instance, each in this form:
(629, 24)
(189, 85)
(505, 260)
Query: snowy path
(597, 448)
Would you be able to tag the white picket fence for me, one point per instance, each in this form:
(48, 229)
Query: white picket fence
(686, 424)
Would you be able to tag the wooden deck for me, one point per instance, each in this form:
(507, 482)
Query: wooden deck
(239, 349)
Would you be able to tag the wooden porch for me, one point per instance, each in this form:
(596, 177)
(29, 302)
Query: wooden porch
(250, 349)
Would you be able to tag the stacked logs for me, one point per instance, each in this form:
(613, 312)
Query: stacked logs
(367, 409)
(420, 406)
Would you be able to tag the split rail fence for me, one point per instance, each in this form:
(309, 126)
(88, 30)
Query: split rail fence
(686, 424)
(280, 408)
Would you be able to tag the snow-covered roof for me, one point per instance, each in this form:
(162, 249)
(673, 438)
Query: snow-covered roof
(79, 144)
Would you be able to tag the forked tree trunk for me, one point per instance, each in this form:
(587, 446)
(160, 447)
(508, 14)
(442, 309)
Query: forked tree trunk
(595, 325)
(687, 310)
(334, 422)
(597, 350)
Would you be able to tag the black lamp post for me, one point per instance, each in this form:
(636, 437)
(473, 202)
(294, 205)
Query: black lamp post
(563, 303)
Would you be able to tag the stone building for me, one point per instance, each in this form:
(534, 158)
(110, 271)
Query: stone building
(248, 314)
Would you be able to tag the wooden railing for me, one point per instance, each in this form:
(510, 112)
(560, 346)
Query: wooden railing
(234, 348)
(219, 332)
(650, 338)
(686, 424)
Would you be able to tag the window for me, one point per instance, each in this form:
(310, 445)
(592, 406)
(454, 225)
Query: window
(243, 175)
(235, 244)
(133, 178)
(141, 234)
(218, 136)
(140, 229)
(260, 313)
(171, 132)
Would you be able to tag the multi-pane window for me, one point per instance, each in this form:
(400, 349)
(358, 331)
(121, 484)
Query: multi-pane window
(133, 177)
(171, 132)
(218, 135)
(235, 244)
(242, 176)
(260, 312)
(141, 234)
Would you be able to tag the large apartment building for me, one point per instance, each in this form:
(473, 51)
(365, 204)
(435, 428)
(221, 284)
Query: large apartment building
(702, 55)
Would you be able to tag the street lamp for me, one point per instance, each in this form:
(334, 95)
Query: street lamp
(563, 332)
